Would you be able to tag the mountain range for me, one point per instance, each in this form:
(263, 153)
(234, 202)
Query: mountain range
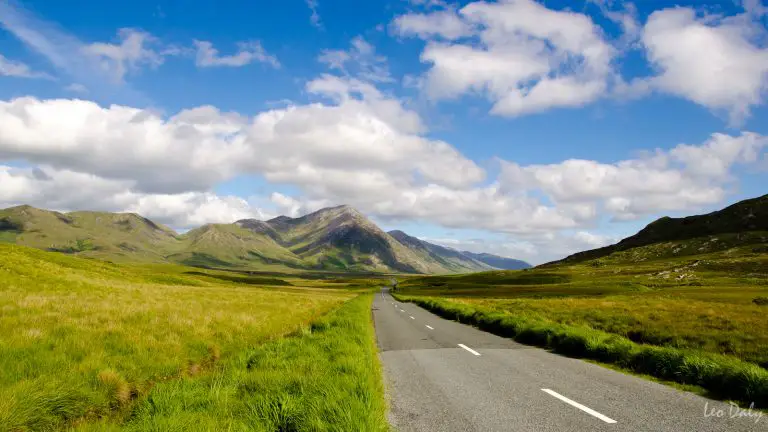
(337, 238)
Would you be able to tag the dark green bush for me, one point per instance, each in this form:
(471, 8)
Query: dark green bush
(760, 301)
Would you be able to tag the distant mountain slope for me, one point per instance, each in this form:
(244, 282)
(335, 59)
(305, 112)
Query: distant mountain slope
(121, 236)
(450, 259)
(498, 262)
(337, 238)
(743, 217)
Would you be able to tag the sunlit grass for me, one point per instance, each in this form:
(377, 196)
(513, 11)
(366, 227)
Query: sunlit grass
(82, 340)
(740, 330)
(325, 377)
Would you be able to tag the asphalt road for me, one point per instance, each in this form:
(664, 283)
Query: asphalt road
(445, 376)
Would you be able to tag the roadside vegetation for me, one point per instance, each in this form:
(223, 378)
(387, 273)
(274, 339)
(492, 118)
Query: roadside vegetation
(92, 345)
(690, 311)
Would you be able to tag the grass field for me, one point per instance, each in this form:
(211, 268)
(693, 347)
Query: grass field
(94, 345)
(704, 305)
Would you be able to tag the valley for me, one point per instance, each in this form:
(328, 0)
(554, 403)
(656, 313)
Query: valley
(114, 322)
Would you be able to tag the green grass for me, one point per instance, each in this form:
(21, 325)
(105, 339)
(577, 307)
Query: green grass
(85, 342)
(325, 377)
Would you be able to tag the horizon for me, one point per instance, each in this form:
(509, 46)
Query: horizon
(460, 123)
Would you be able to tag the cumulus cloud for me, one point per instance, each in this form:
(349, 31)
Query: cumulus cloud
(51, 188)
(247, 53)
(358, 147)
(12, 68)
(522, 56)
(714, 61)
(687, 176)
(526, 58)
(190, 151)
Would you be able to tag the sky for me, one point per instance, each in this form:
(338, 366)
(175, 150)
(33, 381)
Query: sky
(527, 129)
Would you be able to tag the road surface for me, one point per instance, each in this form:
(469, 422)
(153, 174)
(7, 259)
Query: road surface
(445, 376)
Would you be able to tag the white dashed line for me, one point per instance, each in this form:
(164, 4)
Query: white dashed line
(431, 328)
(469, 349)
(587, 410)
(413, 318)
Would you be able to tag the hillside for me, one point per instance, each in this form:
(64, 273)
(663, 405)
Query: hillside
(230, 245)
(499, 262)
(337, 239)
(122, 237)
(449, 258)
(741, 224)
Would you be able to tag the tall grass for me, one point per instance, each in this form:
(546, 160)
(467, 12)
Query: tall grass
(722, 376)
(82, 340)
(323, 378)
(684, 321)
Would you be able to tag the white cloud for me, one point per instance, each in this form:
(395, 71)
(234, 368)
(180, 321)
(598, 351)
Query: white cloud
(713, 61)
(363, 149)
(190, 151)
(443, 23)
(133, 51)
(314, 18)
(247, 53)
(686, 177)
(18, 69)
(66, 190)
(193, 209)
(523, 57)
(360, 61)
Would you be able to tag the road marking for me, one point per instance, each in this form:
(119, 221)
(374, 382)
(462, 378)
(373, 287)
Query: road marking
(587, 410)
(469, 349)
(413, 318)
(431, 328)
(401, 310)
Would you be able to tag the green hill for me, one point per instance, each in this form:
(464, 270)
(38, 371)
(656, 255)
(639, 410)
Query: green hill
(114, 236)
(743, 223)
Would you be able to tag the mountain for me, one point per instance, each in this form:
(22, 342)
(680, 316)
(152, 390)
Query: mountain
(340, 238)
(498, 262)
(451, 259)
(231, 245)
(337, 238)
(124, 236)
(742, 223)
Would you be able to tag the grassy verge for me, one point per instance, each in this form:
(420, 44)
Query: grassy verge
(84, 341)
(674, 318)
(324, 378)
(723, 376)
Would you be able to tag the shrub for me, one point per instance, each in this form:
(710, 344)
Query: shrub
(760, 301)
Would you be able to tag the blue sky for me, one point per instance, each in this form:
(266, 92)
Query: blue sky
(526, 129)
